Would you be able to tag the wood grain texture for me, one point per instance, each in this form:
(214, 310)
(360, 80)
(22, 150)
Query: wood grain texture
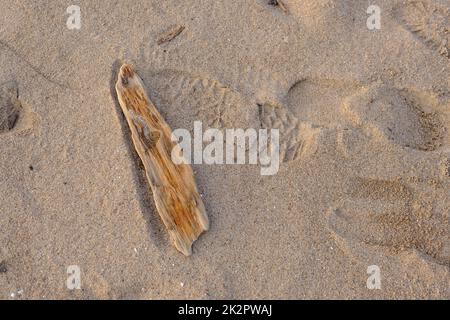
(174, 189)
(172, 34)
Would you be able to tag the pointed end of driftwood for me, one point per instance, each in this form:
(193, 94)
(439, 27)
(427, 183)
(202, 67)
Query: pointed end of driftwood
(184, 236)
(127, 77)
(126, 72)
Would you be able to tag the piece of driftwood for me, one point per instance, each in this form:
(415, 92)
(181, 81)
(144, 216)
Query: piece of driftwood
(174, 190)
(169, 36)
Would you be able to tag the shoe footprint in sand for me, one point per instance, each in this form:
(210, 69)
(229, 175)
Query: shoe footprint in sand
(405, 121)
(338, 107)
(392, 216)
(405, 118)
(429, 21)
(310, 111)
(184, 98)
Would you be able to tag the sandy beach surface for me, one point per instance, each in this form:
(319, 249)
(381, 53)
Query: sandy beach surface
(363, 187)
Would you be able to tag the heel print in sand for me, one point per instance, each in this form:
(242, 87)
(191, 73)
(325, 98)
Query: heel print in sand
(407, 118)
(311, 109)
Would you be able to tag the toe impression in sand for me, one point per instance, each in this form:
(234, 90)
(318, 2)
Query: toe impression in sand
(174, 190)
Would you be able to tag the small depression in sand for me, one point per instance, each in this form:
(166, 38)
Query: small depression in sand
(10, 106)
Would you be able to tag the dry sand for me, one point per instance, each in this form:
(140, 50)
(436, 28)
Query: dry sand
(364, 118)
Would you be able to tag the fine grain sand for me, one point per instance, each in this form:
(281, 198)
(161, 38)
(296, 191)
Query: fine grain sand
(364, 120)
